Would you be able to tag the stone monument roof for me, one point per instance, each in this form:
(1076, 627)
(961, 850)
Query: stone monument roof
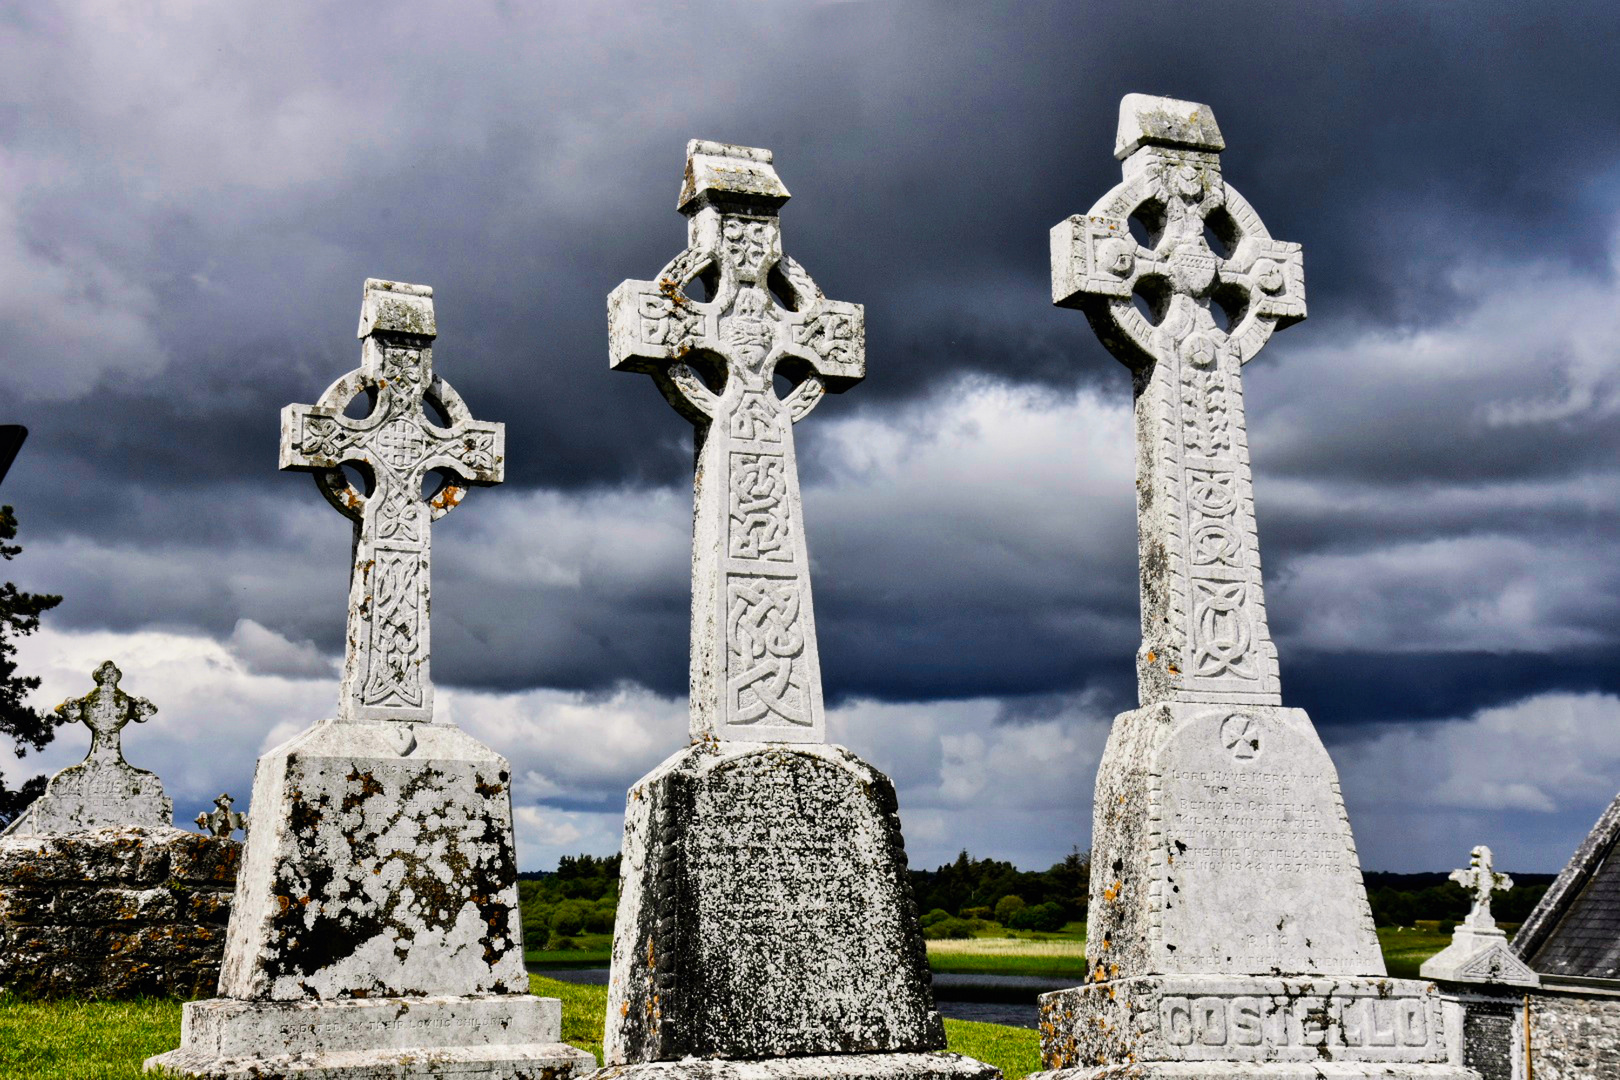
(1574, 932)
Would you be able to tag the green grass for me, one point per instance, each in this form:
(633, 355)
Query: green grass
(1015, 1051)
(84, 1040)
(590, 950)
(584, 1008)
(1406, 949)
(1051, 954)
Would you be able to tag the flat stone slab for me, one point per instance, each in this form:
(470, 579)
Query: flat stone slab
(942, 1066)
(1237, 1070)
(1212, 1018)
(766, 912)
(499, 1037)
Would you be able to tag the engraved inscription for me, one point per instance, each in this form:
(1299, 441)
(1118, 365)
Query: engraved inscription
(1311, 1020)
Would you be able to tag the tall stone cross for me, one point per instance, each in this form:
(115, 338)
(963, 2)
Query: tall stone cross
(106, 711)
(755, 671)
(1482, 879)
(1154, 303)
(397, 445)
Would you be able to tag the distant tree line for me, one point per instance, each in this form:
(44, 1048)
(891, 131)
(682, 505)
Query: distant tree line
(579, 897)
(1407, 899)
(970, 894)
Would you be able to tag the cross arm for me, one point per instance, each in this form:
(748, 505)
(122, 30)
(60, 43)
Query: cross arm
(654, 327)
(1273, 271)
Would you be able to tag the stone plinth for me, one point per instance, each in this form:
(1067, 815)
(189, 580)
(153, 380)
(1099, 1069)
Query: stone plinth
(510, 1036)
(114, 913)
(765, 913)
(843, 1066)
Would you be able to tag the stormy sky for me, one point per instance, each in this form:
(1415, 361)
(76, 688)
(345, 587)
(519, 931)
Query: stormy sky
(192, 195)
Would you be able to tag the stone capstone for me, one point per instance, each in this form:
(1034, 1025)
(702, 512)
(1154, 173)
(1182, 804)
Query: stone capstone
(381, 865)
(765, 912)
(114, 913)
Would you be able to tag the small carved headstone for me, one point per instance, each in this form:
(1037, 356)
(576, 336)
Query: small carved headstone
(222, 820)
(765, 926)
(1229, 930)
(377, 928)
(1479, 951)
(103, 790)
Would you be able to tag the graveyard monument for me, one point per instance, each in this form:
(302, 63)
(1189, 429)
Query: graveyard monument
(100, 895)
(376, 929)
(1229, 932)
(1479, 950)
(765, 924)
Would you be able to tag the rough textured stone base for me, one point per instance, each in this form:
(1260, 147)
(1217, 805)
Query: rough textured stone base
(1244, 1070)
(765, 912)
(114, 913)
(379, 863)
(1210, 1019)
(823, 1067)
(493, 1037)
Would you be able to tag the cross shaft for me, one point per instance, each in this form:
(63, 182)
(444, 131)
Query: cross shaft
(385, 670)
(755, 669)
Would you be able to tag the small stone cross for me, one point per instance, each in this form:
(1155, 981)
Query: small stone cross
(222, 820)
(1481, 879)
(105, 711)
(1204, 632)
(755, 672)
(397, 446)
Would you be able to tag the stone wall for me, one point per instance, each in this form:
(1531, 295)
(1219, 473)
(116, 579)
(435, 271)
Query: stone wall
(115, 913)
(1574, 1035)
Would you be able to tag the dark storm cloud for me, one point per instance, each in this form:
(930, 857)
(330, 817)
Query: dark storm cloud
(188, 209)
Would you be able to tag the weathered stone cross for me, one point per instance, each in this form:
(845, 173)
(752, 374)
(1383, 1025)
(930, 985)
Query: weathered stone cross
(106, 711)
(1204, 633)
(1481, 879)
(755, 672)
(385, 670)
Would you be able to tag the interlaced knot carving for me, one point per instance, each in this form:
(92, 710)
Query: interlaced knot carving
(755, 669)
(1203, 608)
(397, 445)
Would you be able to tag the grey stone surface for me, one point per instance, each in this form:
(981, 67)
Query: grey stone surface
(940, 1066)
(114, 913)
(379, 870)
(766, 926)
(1574, 932)
(1573, 1036)
(1479, 950)
(765, 911)
(1225, 886)
(755, 670)
(103, 790)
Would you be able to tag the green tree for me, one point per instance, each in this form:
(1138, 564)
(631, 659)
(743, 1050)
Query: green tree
(26, 727)
(1007, 907)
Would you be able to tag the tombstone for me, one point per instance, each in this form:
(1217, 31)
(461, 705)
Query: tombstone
(765, 926)
(1479, 951)
(1229, 927)
(222, 820)
(100, 895)
(376, 929)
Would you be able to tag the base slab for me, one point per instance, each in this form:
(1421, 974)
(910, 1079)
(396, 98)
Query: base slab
(1243, 1070)
(487, 1037)
(937, 1066)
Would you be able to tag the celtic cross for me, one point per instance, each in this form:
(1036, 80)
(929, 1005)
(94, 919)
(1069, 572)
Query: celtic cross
(755, 670)
(396, 446)
(1481, 879)
(1204, 633)
(106, 710)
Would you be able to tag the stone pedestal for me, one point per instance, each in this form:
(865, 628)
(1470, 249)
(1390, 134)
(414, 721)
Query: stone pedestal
(766, 924)
(376, 930)
(1229, 929)
(114, 912)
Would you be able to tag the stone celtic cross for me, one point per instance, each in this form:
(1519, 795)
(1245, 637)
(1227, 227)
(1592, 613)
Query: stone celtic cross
(397, 446)
(106, 711)
(1205, 254)
(1482, 879)
(755, 672)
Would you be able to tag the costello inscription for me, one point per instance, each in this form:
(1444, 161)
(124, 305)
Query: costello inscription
(1270, 1027)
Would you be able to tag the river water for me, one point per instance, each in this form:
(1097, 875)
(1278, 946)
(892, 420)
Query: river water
(990, 999)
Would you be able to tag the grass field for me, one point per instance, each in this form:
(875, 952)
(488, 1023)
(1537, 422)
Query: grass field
(1406, 949)
(71, 1040)
(1009, 956)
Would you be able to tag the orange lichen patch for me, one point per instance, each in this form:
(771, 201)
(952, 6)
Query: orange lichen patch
(1152, 656)
(448, 498)
(1111, 893)
(1174, 670)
